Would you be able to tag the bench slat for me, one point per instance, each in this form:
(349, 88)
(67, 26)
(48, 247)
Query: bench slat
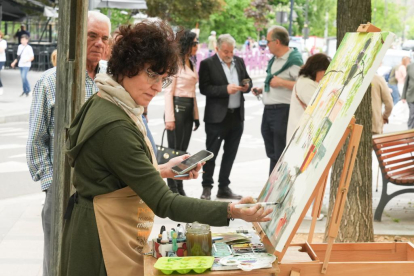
(393, 143)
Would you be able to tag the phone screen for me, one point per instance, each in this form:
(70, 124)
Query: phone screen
(194, 159)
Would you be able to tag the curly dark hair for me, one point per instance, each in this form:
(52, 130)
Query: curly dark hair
(148, 42)
(314, 64)
(186, 44)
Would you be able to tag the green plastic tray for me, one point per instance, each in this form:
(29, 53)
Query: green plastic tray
(183, 265)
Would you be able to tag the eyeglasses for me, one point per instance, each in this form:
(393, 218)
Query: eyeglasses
(270, 41)
(154, 78)
(195, 43)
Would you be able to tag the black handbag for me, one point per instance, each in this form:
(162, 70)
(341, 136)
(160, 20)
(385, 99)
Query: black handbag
(164, 154)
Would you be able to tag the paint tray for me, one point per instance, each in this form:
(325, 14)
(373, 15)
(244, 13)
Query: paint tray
(183, 265)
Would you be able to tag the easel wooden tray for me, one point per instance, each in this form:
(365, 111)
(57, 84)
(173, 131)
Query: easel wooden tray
(149, 270)
(356, 259)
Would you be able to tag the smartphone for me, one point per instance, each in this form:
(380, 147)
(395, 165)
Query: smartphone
(190, 163)
(244, 82)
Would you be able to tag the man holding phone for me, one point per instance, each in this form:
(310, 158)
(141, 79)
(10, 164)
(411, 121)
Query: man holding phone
(223, 79)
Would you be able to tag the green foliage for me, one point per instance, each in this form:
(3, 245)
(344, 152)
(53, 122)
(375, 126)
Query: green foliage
(388, 16)
(316, 10)
(230, 20)
(259, 10)
(118, 17)
(184, 13)
(317, 17)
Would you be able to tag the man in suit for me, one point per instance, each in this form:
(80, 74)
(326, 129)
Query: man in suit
(221, 81)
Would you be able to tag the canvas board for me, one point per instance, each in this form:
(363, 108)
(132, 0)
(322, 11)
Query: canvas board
(299, 169)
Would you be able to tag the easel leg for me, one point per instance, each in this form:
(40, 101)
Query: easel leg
(295, 272)
(317, 206)
(345, 180)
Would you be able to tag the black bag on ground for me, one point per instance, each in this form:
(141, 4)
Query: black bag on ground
(164, 154)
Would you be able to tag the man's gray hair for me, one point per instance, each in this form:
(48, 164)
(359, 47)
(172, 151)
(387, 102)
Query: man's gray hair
(225, 38)
(279, 33)
(100, 17)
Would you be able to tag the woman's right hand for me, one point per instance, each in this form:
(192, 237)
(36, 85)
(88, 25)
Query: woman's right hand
(170, 125)
(250, 214)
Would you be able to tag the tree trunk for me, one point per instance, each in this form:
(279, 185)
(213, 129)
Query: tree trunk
(70, 94)
(357, 220)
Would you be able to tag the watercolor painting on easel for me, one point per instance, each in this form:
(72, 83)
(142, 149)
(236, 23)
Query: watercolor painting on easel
(321, 127)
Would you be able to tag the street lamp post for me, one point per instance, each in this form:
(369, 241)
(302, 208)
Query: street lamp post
(291, 17)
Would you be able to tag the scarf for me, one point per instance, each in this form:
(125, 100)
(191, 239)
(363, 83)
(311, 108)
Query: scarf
(295, 58)
(112, 91)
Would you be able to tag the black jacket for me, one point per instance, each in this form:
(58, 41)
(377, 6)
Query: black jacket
(213, 84)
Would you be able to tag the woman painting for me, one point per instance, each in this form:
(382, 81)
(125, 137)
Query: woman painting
(181, 109)
(119, 186)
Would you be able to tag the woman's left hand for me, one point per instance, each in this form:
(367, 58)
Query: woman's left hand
(166, 169)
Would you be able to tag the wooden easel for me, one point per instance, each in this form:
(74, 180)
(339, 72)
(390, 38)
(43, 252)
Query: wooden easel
(343, 187)
(354, 131)
(368, 259)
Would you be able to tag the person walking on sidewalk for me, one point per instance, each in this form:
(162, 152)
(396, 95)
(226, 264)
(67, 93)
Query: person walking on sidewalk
(181, 110)
(380, 95)
(25, 56)
(408, 94)
(223, 79)
(39, 150)
(3, 47)
(282, 73)
(212, 43)
(20, 33)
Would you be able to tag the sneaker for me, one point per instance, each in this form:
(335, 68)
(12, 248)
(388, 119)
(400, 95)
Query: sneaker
(21, 95)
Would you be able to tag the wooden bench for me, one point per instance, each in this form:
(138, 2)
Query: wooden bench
(395, 154)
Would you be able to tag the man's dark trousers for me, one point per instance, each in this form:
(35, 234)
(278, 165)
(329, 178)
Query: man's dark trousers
(230, 130)
(274, 128)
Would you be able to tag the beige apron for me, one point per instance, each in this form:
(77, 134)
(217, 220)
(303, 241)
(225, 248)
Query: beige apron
(124, 224)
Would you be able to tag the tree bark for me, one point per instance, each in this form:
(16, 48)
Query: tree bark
(70, 94)
(357, 220)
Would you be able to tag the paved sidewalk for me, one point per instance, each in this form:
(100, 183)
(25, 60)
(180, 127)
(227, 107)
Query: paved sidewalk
(14, 108)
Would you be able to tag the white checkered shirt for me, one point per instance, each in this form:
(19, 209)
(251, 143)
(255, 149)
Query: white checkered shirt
(39, 149)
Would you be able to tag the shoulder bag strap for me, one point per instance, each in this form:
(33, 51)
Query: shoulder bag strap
(304, 106)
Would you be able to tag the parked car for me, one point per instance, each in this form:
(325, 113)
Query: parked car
(408, 45)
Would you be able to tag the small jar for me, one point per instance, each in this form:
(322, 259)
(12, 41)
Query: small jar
(198, 239)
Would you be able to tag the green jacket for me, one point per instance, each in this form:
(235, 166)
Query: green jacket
(108, 152)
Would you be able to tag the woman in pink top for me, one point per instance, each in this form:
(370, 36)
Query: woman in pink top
(181, 109)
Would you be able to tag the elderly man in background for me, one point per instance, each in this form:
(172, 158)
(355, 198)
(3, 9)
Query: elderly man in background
(39, 150)
(282, 73)
(223, 79)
